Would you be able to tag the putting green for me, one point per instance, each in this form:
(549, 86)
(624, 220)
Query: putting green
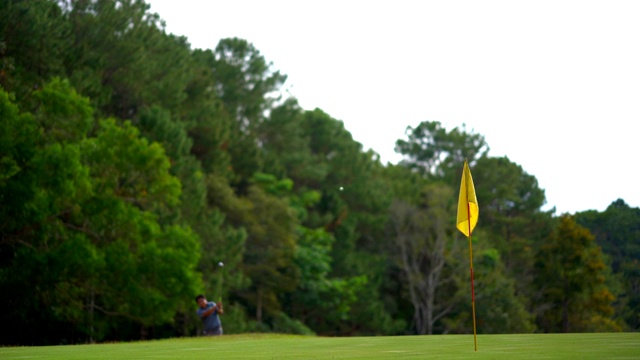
(270, 346)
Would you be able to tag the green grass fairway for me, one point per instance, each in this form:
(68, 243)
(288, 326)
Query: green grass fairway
(258, 346)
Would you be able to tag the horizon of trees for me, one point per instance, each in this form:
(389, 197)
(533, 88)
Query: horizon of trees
(132, 164)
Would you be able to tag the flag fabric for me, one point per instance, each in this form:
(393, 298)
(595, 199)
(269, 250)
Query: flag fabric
(468, 210)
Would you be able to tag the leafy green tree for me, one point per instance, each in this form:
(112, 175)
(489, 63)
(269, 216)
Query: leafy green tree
(145, 263)
(571, 275)
(499, 309)
(39, 182)
(353, 207)
(351, 190)
(316, 294)
(34, 37)
(227, 245)
(270, 250)
(268, 253)
(43, 142)
(421, 235)
(209, 125)
(121, 59)
(63, 115)
(322, 159)
(320, 300)
(90, 247)
(247, 84)
(510, 203)
(287, 149)
(435, 153)
(404, 183)
(617, 231)
(248, 87)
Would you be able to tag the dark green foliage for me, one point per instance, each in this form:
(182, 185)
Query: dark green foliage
(122, 60)
(432, 151)
(571, 276)
(209, 125)
(499, 308)
(90, 249)
(245, 84)
(510, 204)
(617, 231)
(34, 38)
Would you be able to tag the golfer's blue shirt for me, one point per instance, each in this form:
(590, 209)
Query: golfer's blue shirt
(212, 321)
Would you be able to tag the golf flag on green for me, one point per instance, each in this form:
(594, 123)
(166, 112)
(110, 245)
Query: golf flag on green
(468, 212)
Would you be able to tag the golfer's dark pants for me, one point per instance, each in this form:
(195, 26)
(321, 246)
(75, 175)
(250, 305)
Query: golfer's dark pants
(213, 332)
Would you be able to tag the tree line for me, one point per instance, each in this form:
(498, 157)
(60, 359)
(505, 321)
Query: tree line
(133, 166)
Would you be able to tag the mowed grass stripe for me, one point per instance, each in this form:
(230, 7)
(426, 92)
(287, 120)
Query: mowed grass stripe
(270, 346)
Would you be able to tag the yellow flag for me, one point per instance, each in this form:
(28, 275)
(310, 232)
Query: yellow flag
(468, 209)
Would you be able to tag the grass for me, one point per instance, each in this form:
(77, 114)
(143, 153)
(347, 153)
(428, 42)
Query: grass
(269, 346)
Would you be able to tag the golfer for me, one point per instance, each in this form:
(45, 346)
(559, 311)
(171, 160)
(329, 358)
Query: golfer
(208, 312)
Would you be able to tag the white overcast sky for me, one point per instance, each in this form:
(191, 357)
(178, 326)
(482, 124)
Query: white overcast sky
(552, 85)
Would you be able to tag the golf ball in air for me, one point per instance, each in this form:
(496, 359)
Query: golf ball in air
(220, 264)
(341, 188)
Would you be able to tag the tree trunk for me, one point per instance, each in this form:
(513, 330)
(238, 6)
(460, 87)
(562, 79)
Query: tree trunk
(565, 308)
(259, 306)
(420, 239)
(92, 340)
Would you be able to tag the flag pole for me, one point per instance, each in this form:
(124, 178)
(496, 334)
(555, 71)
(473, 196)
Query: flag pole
(468, 214)
(473, 296)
